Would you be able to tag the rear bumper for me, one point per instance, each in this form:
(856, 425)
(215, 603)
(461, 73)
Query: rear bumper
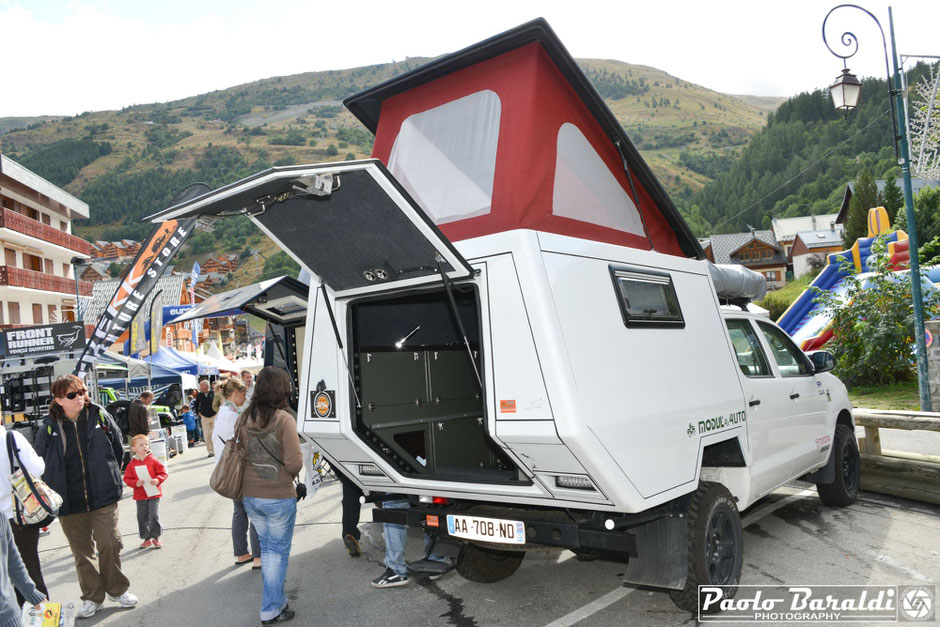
(539, 531)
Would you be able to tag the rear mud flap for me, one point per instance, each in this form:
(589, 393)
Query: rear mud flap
(662, 559)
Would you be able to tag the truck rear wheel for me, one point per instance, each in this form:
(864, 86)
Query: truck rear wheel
(716, 544)
(485, 565)
(844, 490)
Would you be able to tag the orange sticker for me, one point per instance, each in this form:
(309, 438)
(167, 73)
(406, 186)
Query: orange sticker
(433, 521)
(507, 407)
(323, 404)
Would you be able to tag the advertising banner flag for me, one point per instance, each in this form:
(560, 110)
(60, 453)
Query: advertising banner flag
(156, 328)
(138, 335)
(137, 282)
(193, 279)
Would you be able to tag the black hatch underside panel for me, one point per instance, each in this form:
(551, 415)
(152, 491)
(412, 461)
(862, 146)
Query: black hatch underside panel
(363, 234)
(282, 300)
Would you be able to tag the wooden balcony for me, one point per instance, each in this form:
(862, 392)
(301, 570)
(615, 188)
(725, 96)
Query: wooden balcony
(18, 277)
(34, 228)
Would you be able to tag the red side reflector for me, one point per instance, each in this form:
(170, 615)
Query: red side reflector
(433, 521)
(439, 500)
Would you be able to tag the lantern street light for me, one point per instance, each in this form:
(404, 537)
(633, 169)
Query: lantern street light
(845, 92)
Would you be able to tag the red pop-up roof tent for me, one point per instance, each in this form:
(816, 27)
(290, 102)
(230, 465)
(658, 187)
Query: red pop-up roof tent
(510, 134)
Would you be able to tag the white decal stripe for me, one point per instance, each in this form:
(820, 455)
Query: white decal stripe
(760, 512)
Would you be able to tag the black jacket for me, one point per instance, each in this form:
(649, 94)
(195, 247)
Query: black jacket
(105, 452)
(138, 418)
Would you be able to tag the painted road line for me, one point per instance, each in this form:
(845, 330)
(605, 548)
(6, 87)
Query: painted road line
(612, 597)
(591, 608)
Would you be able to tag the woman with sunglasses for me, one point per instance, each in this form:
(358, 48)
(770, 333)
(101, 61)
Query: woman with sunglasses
(82, 448)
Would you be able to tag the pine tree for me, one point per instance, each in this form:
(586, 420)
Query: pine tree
(864, 197)
(894, 198)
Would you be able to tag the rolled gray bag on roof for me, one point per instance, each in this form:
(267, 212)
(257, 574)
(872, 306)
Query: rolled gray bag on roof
(734, 282)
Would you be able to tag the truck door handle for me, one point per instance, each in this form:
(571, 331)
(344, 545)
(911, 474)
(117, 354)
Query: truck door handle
(753, 403)
(794, 396)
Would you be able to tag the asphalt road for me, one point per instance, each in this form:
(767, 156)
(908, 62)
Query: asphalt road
(790, 537)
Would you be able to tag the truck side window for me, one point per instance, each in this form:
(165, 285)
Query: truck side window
(747, 349)
(791, 361)
(647, 298)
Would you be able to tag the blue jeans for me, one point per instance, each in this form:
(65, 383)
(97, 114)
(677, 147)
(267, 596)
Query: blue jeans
(396, 536)
(242, 529)
(274, 520)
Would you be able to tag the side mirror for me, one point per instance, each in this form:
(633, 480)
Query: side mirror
(823, 361)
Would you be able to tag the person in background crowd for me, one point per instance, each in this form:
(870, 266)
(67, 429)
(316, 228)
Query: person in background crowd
(396, 537)
(26, 538)
(191, 395)
(249, 380)
(242, 532)
(206, 412)
(138, 416)
(189, 419)
(82, 446)
(351, 509)
(272, 461)
(13, 575)
(148, 507)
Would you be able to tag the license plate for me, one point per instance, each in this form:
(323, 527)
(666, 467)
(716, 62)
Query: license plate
(486, 529)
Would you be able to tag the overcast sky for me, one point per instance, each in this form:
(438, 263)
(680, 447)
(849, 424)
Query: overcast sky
(69, 56)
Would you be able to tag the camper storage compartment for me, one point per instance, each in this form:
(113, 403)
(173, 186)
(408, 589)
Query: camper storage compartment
(421, 401)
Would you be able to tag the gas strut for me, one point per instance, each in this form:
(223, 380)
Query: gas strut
(453, 308)
(339, 342)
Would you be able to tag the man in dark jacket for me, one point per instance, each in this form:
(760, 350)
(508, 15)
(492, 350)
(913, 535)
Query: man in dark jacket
(138, 416)
(205, 411)
(81, 445)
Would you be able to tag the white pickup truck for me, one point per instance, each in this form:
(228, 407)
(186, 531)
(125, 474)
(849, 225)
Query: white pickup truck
(510, 323)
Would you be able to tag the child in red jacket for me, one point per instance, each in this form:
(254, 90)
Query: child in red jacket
(146, 483)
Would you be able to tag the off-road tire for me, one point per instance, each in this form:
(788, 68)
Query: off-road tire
(485, 565)
(844, 490)
(716, 544)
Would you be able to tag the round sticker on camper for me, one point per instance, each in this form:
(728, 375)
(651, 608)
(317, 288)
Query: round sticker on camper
(323, 404)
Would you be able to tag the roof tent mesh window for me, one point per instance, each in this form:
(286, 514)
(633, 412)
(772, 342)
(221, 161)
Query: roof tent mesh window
(446, 157)
(647, 298)
(585, 189)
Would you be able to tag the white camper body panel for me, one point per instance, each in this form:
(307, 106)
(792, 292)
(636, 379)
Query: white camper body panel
(569, 389)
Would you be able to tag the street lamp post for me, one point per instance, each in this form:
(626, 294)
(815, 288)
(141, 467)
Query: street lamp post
(845, 92)
(76, 262)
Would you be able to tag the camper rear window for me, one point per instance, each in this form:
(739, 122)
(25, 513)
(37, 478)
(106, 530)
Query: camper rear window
(647, 299)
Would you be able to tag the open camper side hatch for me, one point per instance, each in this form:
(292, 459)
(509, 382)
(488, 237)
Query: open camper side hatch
(350, 224)
(421, 403)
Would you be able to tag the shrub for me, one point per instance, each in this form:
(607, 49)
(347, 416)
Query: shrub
(873, 324)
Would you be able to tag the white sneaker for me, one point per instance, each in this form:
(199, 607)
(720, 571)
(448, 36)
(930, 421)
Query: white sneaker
(88, 609)
(125, 600)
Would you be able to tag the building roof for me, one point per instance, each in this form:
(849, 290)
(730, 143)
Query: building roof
(24, 176)
(101, 267)
(170, 288)
(916, 185)
(785, 229)
(726, 244)
(820, 239)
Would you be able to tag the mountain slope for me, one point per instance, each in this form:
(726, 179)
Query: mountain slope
(129, 163)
